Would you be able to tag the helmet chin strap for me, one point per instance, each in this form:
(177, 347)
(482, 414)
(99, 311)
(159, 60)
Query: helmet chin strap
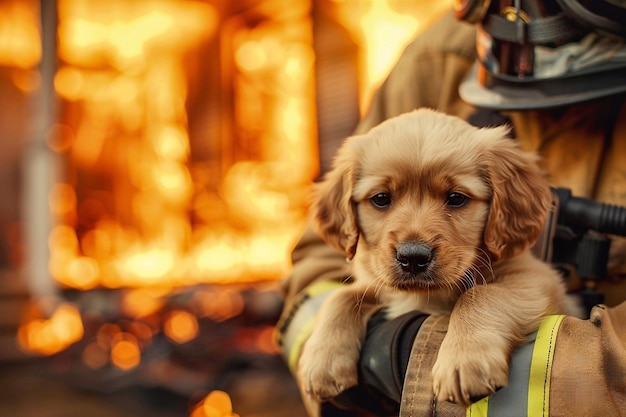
(519, 22)
(518, 11)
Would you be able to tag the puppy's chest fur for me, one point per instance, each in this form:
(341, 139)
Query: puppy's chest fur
(399, 303)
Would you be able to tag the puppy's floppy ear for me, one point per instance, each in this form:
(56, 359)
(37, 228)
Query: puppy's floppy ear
(334, 213)
(521, 198)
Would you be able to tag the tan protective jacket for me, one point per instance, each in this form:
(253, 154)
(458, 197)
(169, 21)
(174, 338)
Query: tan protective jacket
(586, 373)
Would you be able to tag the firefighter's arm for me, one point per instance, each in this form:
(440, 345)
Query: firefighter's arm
(569, 367)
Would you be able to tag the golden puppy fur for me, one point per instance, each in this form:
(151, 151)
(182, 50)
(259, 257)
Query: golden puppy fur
(438, 216)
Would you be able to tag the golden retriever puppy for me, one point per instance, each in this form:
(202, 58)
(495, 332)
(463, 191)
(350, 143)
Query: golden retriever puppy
(438, 216)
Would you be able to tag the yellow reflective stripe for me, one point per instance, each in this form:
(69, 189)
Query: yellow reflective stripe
(541, 367)
(298, 343)
(478, 409)
(321, 287)
(302, 323)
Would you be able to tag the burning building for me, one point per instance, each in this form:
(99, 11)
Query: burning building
(157, 154)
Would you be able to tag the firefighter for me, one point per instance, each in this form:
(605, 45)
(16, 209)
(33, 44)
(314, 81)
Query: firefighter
(556, 72)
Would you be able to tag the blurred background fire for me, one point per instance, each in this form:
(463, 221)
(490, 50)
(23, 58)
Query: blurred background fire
(155, 157)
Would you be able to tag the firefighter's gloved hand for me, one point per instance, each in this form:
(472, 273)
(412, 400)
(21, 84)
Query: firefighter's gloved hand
(384, 359)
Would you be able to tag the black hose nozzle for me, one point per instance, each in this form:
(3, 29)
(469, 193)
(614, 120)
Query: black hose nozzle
(585, 214)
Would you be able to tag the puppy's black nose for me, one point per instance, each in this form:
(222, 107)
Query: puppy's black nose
(414, 257)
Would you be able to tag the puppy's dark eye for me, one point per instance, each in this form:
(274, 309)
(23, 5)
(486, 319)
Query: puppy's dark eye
(456, 200)
(381, 200)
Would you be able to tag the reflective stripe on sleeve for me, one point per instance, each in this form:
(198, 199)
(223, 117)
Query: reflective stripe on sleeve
(527, 393)
(513, 397)
(541, 367)
(478, 409)
(300, 326)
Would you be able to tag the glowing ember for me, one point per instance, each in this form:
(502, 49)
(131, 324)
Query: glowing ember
(49, 336)
(138, 303)
(216, 404)
(181, 326)
(94, 356)
(121, 348)
(125, 351)
(218, 305)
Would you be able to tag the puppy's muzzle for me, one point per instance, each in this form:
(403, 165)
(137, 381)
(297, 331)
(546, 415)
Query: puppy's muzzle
(414, 257)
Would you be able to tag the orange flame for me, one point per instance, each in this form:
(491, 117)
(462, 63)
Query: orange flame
(163, 223)
(382, 31)
(19, 35)
(124, 68)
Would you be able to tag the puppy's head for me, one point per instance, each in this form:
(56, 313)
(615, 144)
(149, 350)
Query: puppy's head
(424, 199)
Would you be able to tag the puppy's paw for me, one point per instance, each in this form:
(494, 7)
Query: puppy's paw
(328, 367)
(465, 372)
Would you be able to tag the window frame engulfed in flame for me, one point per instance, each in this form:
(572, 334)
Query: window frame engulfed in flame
(128, 140)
